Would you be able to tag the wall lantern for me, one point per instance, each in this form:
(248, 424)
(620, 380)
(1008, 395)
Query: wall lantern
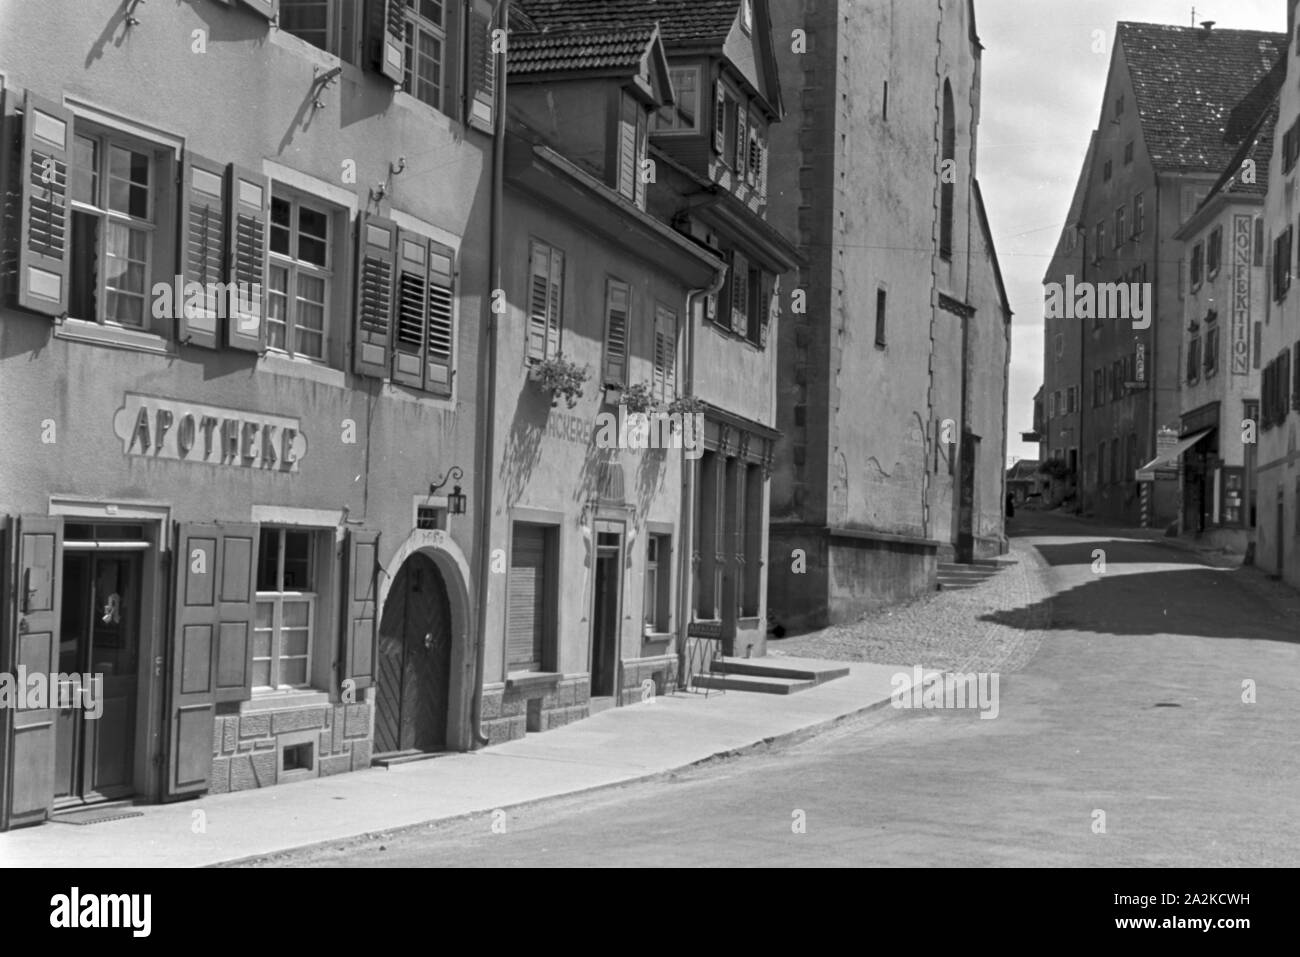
(457, 500)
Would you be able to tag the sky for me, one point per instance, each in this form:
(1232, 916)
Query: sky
(1040, 99)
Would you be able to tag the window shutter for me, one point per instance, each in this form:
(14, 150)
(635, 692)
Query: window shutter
(762, 169)
(376, 252)
(526, 598)
(44, 256)
(555, 310)
(719, 117)
(627, 171)
(481, 80)
(442, 328)
(386, 38)
(617, 307)
(212, 656)
(641, 135)
(36, 554)
(411, 322)
(740, 295)
(770, 304)
(246, 247)
(270, 9)
(665, 358)
(742, 141)
(203, 257)
(359, 623)
(539, 299)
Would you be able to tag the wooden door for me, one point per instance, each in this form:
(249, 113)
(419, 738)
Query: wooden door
(414, 661)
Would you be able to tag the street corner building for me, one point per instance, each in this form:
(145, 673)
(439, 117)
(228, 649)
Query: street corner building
(641, 281)
(245, 245)
(894, 357)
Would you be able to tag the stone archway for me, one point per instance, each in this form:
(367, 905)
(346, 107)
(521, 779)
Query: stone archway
(440, 564)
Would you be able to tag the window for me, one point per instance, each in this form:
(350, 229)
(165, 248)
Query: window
(424, 334)
(545, 301)
(1051, 405)
(664, 385)
(1282, 264)
(1139, 214)
(114, 228)
(326, 24)
(426, 46)
(1194, 359)
(881, 298)
(1105, 172)
(298, 278)
(884, 104)
(658, 583)
(618, 305)
(286, 605)
(684, 115)
(1099, 241)
(1072, 399)
(1119, 226)
(1290, 147)
(1211, 359)
(946, 187)
(531, 597)
(631, 146)
(1197, 264)
(1119, 105)
(1214, 252)
(1128, 152)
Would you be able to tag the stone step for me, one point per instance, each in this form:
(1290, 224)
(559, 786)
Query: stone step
(760, 668)
(762, 685)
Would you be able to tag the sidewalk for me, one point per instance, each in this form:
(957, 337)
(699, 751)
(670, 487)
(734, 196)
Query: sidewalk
(614, 747)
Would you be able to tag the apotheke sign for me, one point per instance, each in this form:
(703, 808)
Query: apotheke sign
(156, 428)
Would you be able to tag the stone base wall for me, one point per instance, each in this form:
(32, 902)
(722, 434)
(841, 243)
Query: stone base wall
(661, 669)
(248, 746)
(507, 712)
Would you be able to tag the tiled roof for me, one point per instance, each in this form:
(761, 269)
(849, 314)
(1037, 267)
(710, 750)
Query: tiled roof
(567, 49)
(681, 22)
(1187, 83)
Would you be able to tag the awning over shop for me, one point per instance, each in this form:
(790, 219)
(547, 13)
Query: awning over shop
(1169, 458)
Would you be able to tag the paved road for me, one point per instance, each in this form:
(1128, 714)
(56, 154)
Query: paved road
(1132, 706)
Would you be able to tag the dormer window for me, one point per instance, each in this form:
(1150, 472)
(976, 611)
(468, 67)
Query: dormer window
(684, 115)
(747, 15)
(630, 147)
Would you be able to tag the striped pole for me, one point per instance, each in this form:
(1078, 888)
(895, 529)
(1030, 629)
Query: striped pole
(1146, 504)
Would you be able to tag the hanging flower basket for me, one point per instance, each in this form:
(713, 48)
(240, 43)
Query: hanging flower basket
(560, 377)
(638, 398)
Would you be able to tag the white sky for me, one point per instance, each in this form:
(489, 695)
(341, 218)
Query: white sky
(1041, 96)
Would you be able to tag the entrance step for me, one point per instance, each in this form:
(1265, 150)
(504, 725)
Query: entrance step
(404, 757)
(598, 704)
(763, 685)
(961, 576)
(815, 672)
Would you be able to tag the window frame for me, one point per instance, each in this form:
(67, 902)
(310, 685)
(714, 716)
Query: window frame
(294, 268)
(657, 592)
(677, 129)
(413, 22)
(277, 599)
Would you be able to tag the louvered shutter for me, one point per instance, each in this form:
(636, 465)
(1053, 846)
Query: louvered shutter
(44, 255)
(617, 306)
(638, 169)
(250, 198)
(442, 330)
(740, 294)
(376, 256)
(386, 38)
(555, 302)
(627, 151)
(203, 257)
(266, 8)
(526, 599)
(213, 643)
(719, 117)
(410, 333)
(539, 297)
(665, 358)
(32, 631)
(481, 79)
(762, 168)
(742, 141)
(360, 608)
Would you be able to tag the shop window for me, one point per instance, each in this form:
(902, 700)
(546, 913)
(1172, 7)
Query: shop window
(286, 609)
(545, 301)
(426, 51)
(684, 115)
(117, 246)
(300, 272)
(658, 583)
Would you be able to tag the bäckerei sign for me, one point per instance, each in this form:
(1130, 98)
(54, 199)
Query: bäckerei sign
(168, 429)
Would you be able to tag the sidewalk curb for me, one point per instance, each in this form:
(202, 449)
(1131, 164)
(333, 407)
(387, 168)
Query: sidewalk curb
(798, 735)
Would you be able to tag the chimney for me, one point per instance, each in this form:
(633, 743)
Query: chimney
(1206, 27)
